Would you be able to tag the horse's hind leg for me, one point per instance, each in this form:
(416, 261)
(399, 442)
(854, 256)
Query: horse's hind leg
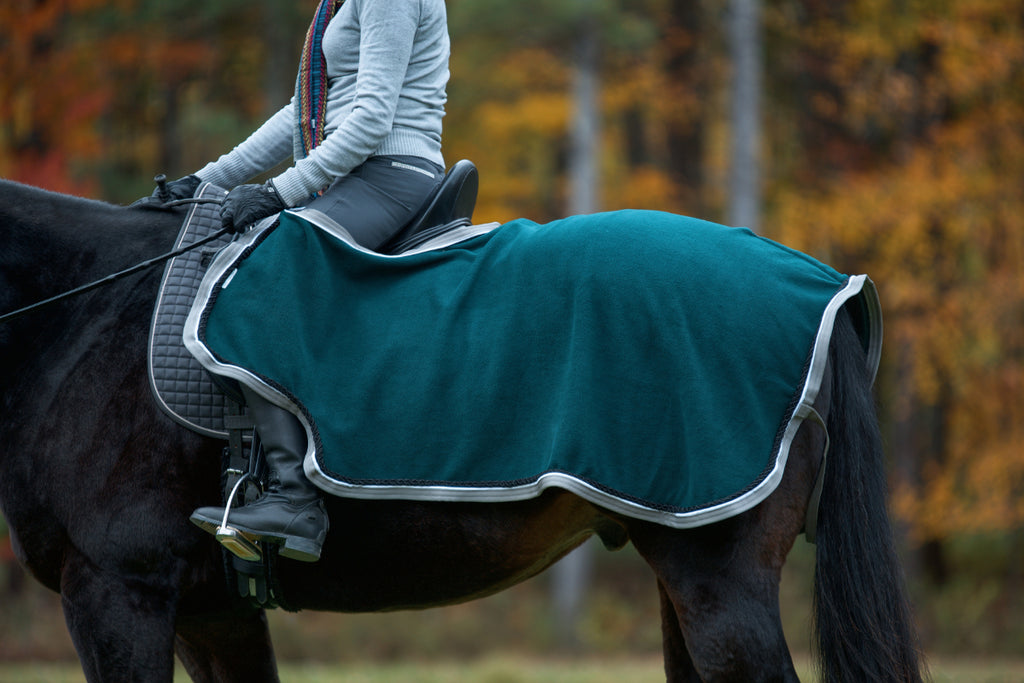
(225, 648)
(726, 604)
(678, 665)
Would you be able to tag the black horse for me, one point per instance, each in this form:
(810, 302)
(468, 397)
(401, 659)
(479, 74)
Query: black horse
(97, 485)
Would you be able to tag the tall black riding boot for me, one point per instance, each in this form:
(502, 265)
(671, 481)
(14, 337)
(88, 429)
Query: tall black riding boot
(290, 512)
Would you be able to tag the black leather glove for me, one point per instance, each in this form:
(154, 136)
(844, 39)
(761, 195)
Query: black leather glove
(247, 204)
(182, 188)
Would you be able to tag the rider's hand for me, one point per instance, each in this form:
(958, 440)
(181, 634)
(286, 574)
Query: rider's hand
(247, 204)
(182, 188)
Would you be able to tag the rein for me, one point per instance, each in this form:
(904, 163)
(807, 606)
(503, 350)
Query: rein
(128, 271)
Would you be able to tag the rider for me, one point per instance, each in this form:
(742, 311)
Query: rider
(364, 128)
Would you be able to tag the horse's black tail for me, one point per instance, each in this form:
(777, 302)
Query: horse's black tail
(864, 626)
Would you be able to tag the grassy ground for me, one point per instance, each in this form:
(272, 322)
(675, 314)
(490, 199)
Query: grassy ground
(507, 669)
(510, 637)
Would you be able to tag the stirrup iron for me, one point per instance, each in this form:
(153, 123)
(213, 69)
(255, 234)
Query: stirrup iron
(231, 538)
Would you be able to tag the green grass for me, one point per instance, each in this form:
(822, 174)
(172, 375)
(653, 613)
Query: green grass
(489, 670)
(511, 669)
(511, 637)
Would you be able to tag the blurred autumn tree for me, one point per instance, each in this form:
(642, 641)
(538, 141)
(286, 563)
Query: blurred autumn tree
(901, 146)
(95, 97)
(511, 77)
(894, 146)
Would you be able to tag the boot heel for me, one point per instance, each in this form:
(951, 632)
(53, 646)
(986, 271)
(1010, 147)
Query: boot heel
(301, 549)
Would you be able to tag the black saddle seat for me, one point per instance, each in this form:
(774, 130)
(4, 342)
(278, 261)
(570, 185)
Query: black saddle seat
(450, 206)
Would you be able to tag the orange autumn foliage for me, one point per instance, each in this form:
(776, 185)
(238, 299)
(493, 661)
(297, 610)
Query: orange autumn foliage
(938, 223)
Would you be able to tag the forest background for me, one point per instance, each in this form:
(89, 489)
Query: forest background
(891, 142)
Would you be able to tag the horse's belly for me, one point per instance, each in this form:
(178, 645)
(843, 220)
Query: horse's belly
(392, 555)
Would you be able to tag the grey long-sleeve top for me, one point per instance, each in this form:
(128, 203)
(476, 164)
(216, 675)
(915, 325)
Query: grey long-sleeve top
(387, 69)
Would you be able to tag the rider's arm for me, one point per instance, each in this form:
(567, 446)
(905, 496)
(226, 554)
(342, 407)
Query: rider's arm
(268, 146)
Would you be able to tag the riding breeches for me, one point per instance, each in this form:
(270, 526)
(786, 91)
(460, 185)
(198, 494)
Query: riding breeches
(377, 198)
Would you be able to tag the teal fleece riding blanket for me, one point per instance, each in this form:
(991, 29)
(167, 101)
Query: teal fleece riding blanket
(656, 365)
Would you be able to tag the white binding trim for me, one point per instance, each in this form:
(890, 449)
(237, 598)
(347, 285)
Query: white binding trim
(447, 239)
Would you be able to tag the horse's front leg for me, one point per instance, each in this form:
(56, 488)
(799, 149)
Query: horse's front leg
(122, 626)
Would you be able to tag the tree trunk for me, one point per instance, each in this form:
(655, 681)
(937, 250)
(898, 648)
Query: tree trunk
(687, 133)
(584, 135)
(745, 159)
(571, 576)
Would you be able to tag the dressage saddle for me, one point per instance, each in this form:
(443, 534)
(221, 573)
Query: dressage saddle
(185, 391)
(210, 405)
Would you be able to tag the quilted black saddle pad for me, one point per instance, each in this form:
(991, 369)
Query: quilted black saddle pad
(183, 389)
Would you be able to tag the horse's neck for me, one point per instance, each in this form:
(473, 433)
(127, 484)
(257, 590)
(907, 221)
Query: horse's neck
(50, 243)
(29, 215)
(53, 233)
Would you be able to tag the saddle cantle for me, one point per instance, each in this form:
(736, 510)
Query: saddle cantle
(450, 206)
